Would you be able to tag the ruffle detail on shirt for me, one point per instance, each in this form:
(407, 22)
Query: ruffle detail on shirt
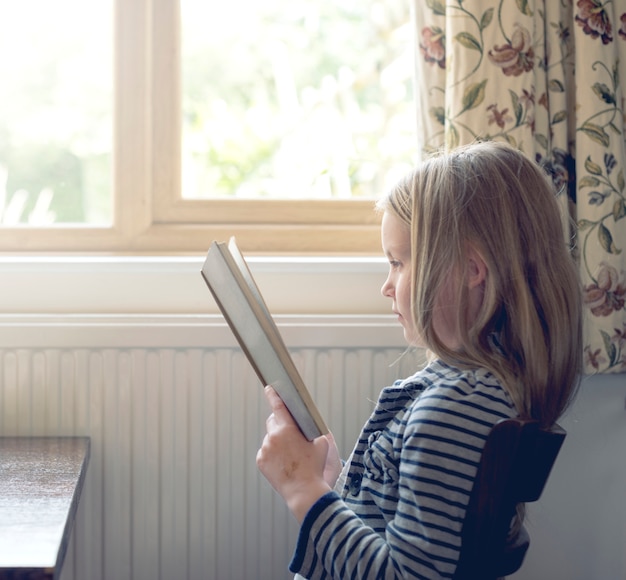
(379, 461)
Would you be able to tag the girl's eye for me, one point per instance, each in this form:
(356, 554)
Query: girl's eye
(394, 264)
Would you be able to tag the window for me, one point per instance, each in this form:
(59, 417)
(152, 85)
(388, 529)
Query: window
(176, 124)
(55, 113)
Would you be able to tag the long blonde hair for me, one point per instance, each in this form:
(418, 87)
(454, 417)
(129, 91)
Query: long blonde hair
(491, 197)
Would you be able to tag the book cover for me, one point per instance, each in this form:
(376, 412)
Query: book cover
(237, 295)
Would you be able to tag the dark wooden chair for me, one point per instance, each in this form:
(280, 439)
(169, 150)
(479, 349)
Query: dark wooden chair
(515, 465)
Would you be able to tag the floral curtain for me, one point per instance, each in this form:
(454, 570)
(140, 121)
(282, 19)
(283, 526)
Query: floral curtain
(548, 77)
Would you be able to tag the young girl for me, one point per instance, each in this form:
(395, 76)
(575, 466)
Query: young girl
(480, 275)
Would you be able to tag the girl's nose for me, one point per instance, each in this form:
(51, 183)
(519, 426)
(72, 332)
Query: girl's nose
(387, 289)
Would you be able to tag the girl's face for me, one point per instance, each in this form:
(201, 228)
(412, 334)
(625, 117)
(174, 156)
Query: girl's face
(396, 241)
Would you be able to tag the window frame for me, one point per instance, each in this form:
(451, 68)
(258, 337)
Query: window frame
(149, 214)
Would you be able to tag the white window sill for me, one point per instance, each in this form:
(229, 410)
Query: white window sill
(164, 284)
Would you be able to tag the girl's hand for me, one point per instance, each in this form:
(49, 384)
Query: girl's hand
(294, 466)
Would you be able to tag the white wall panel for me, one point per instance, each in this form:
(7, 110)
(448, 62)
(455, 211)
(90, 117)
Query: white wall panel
(176, 415)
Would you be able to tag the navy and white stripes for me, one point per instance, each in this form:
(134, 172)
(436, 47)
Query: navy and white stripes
(399, 505)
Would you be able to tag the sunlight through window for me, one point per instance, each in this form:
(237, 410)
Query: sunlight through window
(56, 112)
(304, 99)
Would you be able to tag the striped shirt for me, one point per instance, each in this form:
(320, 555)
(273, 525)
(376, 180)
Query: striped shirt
(398, 507)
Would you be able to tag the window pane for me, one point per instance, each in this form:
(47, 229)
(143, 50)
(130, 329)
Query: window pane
(56, 112)
(307, 99)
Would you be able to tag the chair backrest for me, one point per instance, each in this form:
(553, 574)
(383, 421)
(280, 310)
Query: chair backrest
(515, 464)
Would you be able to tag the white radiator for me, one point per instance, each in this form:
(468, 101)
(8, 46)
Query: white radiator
(176, 415)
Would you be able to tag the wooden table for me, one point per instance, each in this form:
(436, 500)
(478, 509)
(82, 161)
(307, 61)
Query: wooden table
(41, 479)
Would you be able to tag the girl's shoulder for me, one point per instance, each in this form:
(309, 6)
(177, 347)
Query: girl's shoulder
(442, 387)
(438, 373)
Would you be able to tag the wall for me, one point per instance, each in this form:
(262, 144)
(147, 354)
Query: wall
(578, 527)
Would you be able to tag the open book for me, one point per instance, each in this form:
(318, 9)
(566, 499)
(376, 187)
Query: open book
(228, 277)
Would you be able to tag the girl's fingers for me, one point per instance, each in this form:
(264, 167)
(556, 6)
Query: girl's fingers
(280, 413)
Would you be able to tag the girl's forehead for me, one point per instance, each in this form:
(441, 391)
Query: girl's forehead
(392, 222)
(395, 234)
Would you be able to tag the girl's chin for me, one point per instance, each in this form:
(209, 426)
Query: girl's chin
(411, 338)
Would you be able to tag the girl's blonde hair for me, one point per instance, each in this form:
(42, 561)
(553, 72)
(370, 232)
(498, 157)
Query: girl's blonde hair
(491, 198)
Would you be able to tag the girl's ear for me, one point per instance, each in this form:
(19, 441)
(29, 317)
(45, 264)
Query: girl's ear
(477, 268)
